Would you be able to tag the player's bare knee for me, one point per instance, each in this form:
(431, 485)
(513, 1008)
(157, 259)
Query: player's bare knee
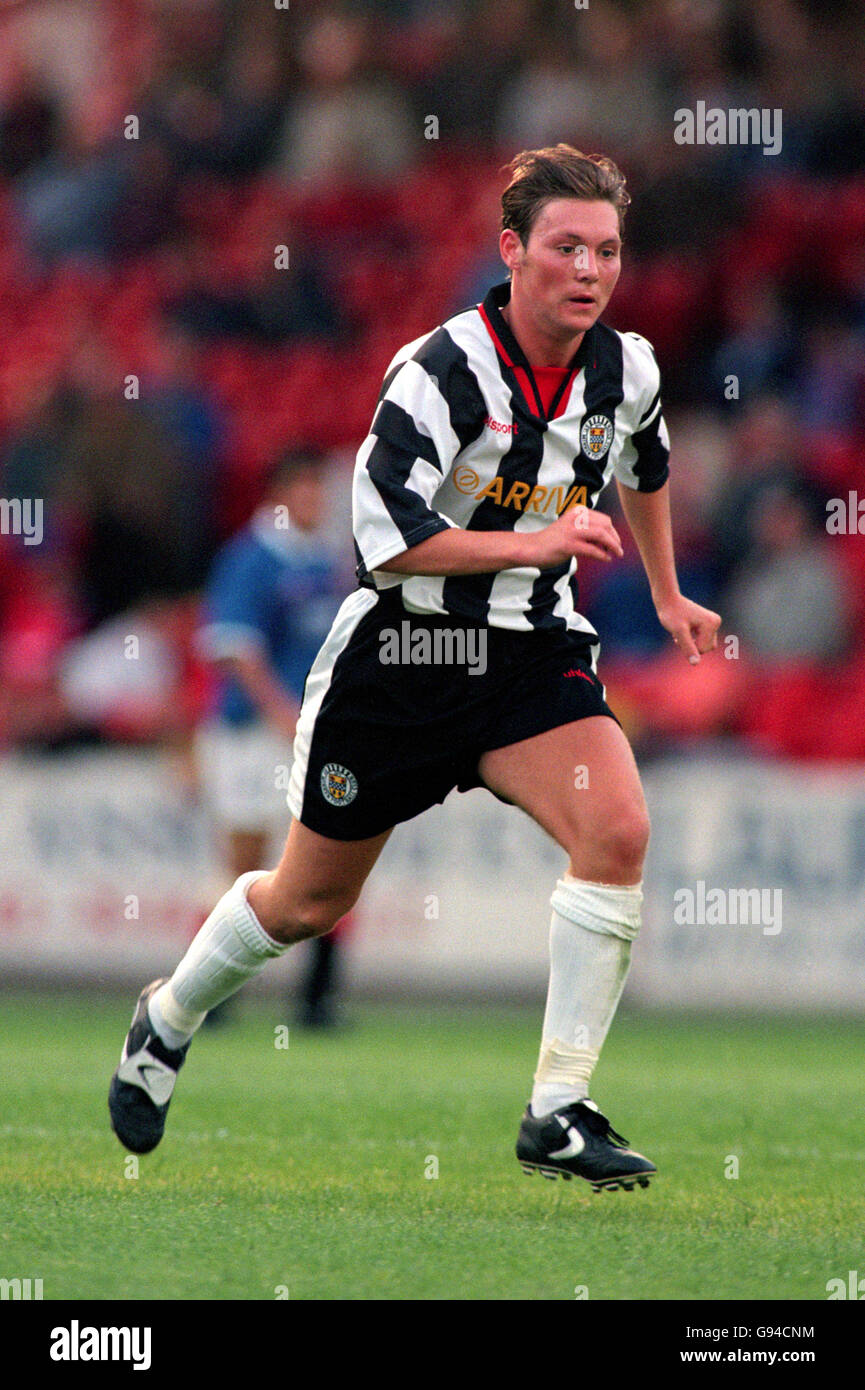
(290, 914)
(302, 917)
(617, 845)
(627, 838)
(315, 916)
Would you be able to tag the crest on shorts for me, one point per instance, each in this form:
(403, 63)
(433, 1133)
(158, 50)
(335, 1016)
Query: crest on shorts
(338, 785)
(596, 436)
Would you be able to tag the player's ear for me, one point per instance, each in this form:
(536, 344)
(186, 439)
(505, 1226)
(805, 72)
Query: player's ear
(510, 248)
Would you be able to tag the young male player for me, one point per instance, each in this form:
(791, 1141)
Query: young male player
(473, 499)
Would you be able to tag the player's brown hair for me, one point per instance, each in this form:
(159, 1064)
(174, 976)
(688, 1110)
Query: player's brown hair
(291, 463)
(559, 171)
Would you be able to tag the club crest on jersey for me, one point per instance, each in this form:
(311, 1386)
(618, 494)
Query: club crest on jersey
(338, 785)
(596, 436)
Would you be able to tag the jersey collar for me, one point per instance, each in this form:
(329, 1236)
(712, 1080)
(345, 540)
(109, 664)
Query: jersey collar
(513, 356)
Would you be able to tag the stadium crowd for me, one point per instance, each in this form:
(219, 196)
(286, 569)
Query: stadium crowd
(218, 221)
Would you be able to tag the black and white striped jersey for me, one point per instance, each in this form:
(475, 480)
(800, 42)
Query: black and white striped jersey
(460, 437)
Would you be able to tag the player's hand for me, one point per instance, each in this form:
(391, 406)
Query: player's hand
(580, 531)
(693, 629)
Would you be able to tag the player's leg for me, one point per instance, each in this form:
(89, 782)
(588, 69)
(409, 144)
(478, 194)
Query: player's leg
(236, 768)
(580, 783)
(315, 883)
(245, 851)
(319, 984)
(262, 914)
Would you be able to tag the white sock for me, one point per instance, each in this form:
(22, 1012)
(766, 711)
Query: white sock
(591, 932)
(230, 948)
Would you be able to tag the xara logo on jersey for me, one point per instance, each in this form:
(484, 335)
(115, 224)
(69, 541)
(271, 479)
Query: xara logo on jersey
(338, 785)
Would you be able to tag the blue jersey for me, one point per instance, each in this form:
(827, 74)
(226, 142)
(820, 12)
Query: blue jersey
(271, 591)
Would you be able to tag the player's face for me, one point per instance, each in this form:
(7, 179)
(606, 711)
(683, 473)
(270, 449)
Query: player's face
(566, 273)
(305, 499)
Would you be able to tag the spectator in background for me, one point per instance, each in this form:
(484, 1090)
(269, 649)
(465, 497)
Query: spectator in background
(123, 678)
(262, 303)
(33, 453)
(68, 202)
(345, 123)
(130, 487)
(833, 140)
(185, 407)
(462, 93)
(229, 130)
(271, 597)
(39, 619)
(759, 349)
(254, 108)
(829, 390)
(145, 213)
(29, 122)
(766, 453)
(622, 106)
(548, 99)
(786, 601)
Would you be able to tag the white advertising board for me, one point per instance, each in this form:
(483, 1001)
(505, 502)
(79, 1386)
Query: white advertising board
(755, 885)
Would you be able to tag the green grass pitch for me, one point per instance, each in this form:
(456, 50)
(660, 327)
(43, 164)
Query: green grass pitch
(308, 1172)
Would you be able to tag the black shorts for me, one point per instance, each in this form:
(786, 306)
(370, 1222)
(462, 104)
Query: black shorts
(397, 709)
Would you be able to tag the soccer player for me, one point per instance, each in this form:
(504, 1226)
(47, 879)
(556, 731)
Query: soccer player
(271, 597)
(474, 498)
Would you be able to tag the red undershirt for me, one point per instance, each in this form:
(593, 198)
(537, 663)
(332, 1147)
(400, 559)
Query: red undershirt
(549, 379)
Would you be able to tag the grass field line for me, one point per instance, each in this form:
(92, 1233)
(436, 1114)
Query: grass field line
(195, 1137)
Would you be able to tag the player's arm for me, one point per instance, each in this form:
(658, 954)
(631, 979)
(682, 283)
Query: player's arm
(579, 532)
(694, 629)
(642, 472)
(254, 673)
(233, 638)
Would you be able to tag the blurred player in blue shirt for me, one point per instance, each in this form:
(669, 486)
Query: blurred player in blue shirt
(270, 600)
